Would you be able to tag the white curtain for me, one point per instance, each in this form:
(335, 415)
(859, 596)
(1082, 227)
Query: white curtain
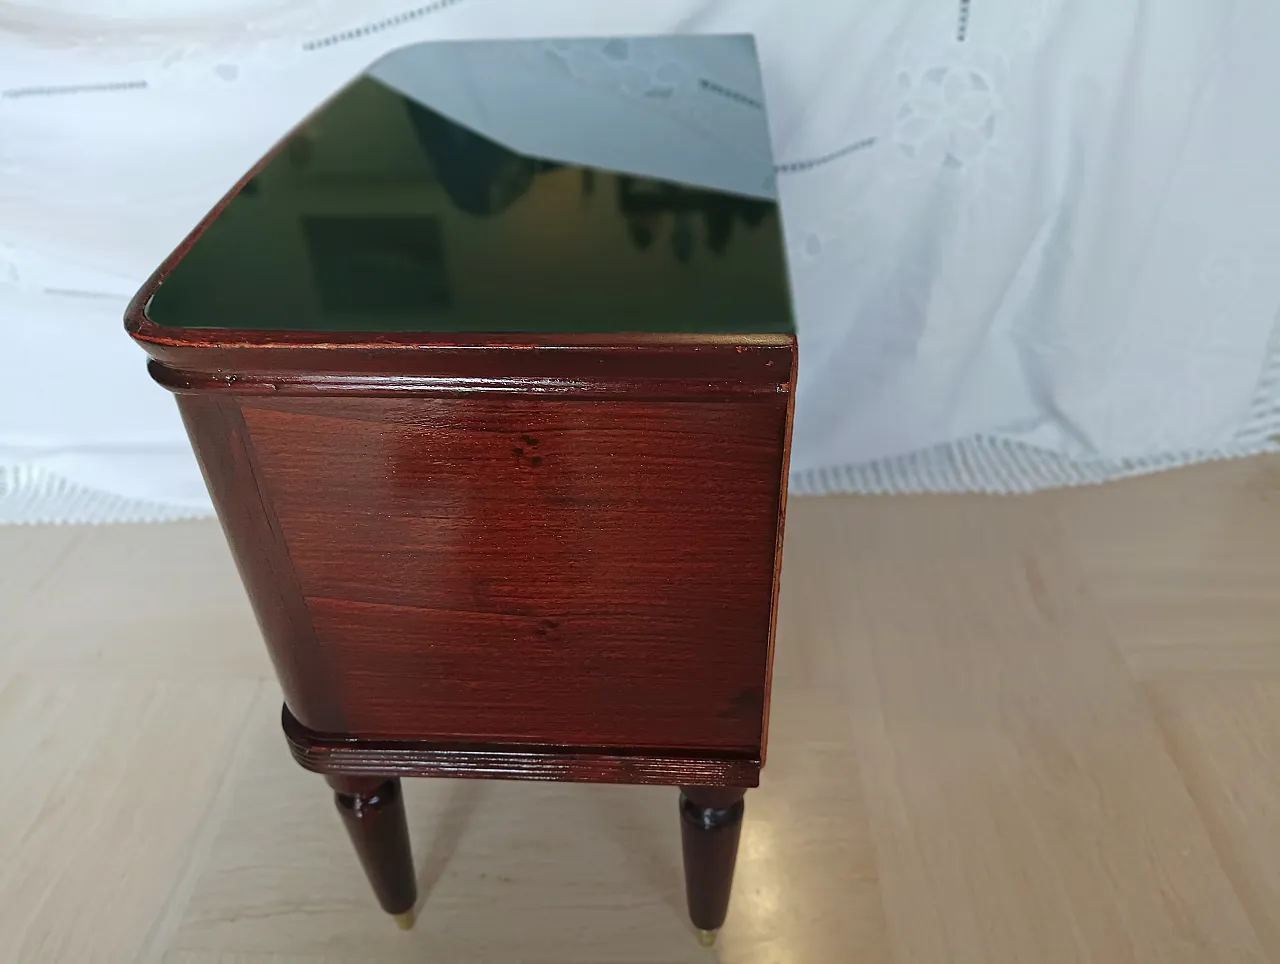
(1033, 242)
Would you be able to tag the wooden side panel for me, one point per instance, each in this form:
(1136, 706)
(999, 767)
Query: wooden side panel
(574, 573)
(223, 448)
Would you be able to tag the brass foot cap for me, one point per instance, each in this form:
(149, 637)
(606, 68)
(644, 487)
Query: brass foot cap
(707, 938)
(404, 921)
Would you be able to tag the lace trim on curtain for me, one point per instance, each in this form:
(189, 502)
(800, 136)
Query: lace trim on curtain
(30, 495)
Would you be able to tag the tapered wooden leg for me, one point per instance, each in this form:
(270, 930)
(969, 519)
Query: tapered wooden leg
(710, 824)
(373, 810)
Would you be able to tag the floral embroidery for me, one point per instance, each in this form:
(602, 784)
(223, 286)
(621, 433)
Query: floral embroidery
(643, 70)
(947, 115)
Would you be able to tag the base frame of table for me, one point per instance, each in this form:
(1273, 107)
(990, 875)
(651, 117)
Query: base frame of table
(329, 753)
(365, 776)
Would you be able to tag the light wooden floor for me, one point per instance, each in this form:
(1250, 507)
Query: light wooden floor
(1023, 730)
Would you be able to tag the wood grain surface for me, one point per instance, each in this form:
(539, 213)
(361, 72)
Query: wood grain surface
(564, 543)
(327, 753)
(550, 572)
(225, 452)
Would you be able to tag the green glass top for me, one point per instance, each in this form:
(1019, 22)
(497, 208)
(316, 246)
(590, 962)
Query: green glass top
(626, 208)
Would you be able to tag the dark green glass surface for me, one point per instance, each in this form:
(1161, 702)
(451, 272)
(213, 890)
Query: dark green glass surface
(382, 215)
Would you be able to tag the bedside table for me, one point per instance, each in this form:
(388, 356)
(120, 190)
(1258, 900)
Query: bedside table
(490, 378)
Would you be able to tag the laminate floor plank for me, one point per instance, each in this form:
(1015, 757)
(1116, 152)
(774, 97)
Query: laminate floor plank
(1021, 797)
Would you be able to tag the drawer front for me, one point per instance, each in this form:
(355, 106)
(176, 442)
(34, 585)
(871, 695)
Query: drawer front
(575, 573)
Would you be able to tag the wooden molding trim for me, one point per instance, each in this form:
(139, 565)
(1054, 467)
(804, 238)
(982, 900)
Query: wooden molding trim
(182, 382)
(329, 753)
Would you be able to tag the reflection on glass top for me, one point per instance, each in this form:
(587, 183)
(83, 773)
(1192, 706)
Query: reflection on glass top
(509, 186)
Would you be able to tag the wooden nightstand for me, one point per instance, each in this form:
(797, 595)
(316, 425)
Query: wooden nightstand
(499, 443)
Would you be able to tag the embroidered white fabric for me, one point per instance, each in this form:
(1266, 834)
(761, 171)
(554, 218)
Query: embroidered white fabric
(1032, 243)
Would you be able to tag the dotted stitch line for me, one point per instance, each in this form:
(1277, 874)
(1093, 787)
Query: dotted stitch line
(797, 166)
(962, 25)
(713, 87)
(371, 28)
(77, 293)
(16, 92)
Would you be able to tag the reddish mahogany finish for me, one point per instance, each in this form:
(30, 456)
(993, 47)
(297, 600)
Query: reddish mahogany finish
(409, 758)
(225, 452)
(539, 557)
(373, 811)
(543, 571)
(559, 549)
(710, 825)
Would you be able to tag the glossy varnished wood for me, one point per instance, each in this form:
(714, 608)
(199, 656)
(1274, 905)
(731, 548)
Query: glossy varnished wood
(562, 548)
(636, 366)
(660, 366)
(372, 809)
(541, 571)
(516, 512)
(710, 827)
(324, 753)
(580, 582)
(225, 453)
(470, 548)
(556, 577)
